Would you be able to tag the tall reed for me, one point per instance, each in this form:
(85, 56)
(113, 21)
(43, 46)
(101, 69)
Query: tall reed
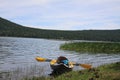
(23, 73)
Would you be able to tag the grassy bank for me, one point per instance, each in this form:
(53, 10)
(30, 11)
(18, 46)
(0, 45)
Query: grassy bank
(92, 47)
(104, 72)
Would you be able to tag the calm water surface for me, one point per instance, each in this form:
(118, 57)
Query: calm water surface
(21, 53)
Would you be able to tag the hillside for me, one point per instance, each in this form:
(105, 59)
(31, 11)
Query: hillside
(8, 28)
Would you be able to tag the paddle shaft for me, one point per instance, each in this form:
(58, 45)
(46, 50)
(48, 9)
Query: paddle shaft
(40, 59)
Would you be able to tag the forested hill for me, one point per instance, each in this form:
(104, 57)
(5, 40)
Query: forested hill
(8, 28)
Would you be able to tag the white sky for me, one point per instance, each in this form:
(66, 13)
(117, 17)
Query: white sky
(63, 14)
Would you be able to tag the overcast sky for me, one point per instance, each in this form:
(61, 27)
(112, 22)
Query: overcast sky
(63, 14)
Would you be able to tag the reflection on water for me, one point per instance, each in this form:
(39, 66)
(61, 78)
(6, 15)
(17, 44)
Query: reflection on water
(21, 52)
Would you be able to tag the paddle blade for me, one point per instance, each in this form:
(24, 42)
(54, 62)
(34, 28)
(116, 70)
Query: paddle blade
(52, 62)
(86, 66)
(40, 59)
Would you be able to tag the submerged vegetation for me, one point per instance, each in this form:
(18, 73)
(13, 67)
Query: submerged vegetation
(92, 47)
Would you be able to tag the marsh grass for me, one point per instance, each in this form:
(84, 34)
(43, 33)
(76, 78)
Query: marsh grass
(92, 47)
(23, 73)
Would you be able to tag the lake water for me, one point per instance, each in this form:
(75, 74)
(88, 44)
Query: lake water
(20, 53)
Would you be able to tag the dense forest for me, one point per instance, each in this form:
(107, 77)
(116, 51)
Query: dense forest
(8, 28)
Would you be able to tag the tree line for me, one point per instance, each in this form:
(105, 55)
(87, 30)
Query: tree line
(8, 28)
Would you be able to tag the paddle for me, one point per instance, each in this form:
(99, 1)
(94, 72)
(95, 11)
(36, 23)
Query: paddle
(40, 59)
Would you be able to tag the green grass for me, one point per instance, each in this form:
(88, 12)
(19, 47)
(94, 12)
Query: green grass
(110, 72)
(92, 47)
(104, 72)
